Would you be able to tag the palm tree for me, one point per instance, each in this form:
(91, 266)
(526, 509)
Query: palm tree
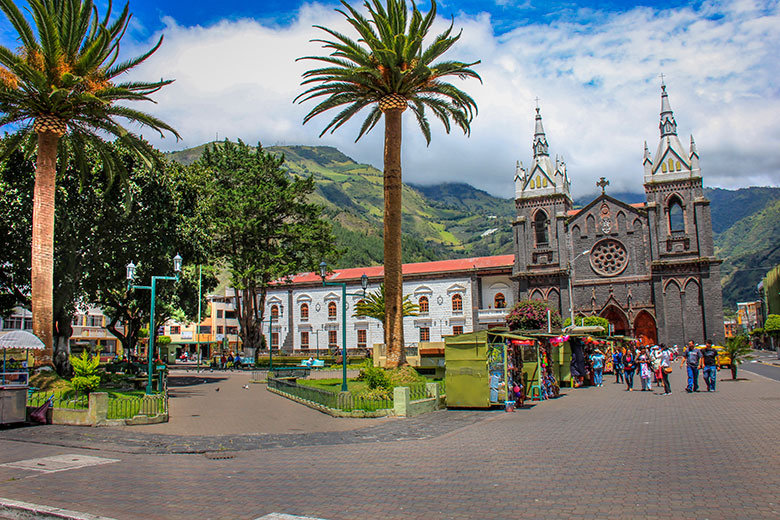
(738, 349)
(389, 70)
(59, 86)
(373, 306)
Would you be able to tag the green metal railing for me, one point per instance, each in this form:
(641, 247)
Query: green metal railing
(127, 408)
(68, 400)
(345, 401)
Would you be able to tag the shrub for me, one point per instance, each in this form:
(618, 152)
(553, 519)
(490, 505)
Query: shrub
(85, 367)
(375, 378)
(532, 315)
(404, 375)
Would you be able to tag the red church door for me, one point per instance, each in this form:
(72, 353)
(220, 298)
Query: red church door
(644, 329)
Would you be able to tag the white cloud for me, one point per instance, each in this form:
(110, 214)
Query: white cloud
(597, 80)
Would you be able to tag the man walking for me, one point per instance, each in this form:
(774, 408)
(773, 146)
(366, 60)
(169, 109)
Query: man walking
(617, 366)
(692, 359)
(709, 364)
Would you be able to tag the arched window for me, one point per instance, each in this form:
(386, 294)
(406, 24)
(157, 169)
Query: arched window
(540, 224)
(457, 303)
(304, 311)
(275, 312)
(332, 311)
(499, 302)
(423, 303)
(676, 220)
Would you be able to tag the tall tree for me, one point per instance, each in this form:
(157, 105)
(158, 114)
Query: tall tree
(389, 70)
(62, 80)
(261, 224)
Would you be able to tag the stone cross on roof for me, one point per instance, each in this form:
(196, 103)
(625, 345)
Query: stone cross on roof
(603, 183)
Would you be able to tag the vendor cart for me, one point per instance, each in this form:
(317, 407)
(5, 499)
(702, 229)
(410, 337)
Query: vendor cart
(482, 367)
(14, 378)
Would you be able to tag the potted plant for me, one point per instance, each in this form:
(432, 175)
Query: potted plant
(738, 349)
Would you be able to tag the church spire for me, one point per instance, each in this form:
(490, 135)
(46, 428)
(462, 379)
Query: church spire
(540, 139)
(668, 125)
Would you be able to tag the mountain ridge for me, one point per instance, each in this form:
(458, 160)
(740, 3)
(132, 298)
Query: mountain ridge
(457, 220)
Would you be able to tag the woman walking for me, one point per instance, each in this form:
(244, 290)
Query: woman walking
(597, 358)
(644, 370)
(628, 369)
(666, 368)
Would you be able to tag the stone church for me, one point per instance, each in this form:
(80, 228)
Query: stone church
(649, 268)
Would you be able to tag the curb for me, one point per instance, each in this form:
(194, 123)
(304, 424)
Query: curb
(24, 510)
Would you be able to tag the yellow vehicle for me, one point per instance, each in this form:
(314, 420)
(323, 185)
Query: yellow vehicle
(723, 359)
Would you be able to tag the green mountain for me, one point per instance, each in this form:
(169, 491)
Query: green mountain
(455, 220)
(445, 221)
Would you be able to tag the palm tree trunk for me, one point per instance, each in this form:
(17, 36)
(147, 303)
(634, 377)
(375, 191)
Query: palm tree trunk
(43, 243)
(394, 319)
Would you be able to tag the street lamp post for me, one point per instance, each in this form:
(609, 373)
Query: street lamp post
(571, 292)
(344, 294)
(130, 278)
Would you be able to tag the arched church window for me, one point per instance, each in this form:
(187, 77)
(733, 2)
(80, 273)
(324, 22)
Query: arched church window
(423, 303)
(676, 221)
(679, 166)
(671, 164)
(541, 223)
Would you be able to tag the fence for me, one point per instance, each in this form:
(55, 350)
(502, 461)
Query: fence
(339, 401)
(129, 407)
(67, 400)
(347, 401)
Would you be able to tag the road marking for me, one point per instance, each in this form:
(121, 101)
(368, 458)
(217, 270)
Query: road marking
(59, 463)
(17, 509)
(282, 516)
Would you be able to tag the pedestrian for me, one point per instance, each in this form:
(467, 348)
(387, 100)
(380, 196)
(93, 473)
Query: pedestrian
(617, 365)
(644, 370)
(628, 369)
(223, 362)
(692, 359)
(709, 365)
(666, 368)
(655, 364)
(597, 358)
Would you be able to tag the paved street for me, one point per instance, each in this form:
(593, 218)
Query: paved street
(765, 364)
(593, 453)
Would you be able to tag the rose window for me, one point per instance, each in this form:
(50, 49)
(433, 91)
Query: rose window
(609, 257)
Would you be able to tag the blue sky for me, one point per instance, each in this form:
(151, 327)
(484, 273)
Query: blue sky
(594, 65)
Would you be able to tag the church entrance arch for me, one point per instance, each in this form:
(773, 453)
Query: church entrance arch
(617, 318)
(644, 329)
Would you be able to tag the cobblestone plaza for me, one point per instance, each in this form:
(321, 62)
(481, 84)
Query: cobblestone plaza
(592, 453)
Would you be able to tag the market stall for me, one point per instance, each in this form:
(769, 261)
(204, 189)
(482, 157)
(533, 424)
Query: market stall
(14, 379)
(483, 368)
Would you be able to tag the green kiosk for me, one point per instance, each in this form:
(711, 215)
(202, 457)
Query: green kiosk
(479, 366)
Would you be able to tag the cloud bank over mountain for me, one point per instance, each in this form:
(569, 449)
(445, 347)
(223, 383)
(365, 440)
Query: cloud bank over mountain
(596, 75)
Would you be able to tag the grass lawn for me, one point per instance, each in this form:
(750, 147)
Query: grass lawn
(334, 385)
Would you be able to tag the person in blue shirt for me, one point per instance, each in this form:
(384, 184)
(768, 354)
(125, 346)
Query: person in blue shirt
(597, 358)
(617, 366)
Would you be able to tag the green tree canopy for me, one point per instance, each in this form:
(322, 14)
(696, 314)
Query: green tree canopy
(63, 80)
(772, 324)
(591, 321)
(261, 225)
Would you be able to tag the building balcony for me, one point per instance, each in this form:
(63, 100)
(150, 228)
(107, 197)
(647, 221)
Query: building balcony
(492, 315)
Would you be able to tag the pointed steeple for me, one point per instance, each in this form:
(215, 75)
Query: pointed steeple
(540, 139)
(694, 151)
(668, 125)
(647, 155)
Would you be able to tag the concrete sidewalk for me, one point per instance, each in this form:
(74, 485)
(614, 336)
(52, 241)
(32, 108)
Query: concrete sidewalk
(239, 407)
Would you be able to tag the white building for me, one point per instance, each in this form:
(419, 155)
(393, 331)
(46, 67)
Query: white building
(455, 296)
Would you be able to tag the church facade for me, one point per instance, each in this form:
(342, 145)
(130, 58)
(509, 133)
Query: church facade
(649, 268)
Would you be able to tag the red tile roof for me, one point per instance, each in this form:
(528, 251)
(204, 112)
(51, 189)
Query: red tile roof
(442, 266)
